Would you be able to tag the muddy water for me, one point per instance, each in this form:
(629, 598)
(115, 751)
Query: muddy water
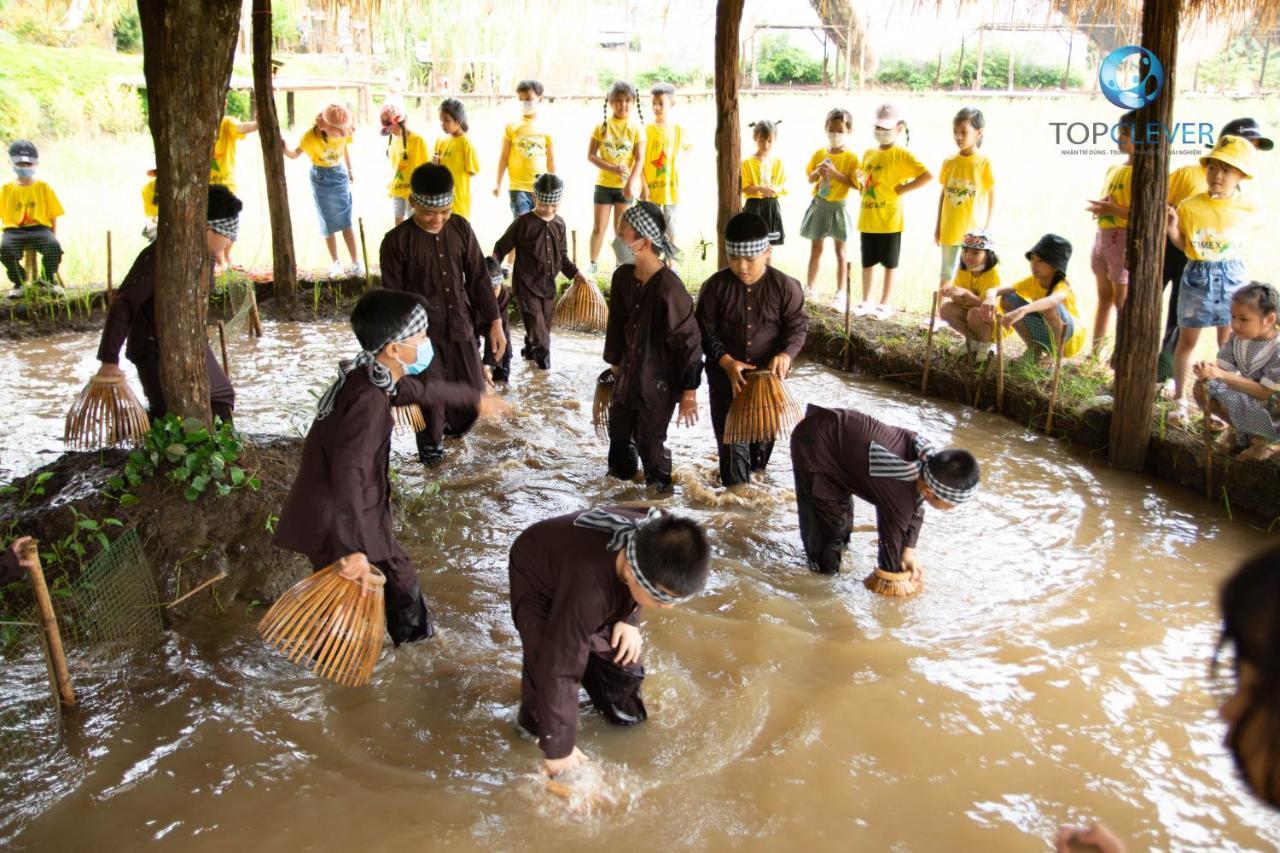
(1055, 668)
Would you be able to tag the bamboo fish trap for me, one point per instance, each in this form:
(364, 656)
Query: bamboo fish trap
(762, 411)
(582, 308)
(105, 414)
(891, 584)
(409, 418)
(324, 623)
(600, 405)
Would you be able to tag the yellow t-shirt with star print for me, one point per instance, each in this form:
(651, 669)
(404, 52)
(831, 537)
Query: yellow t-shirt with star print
(883, 170)
(617, 139)
(966, 183)
(663, 144)
(846, 163)
(1216, 229)
(22, 207)
(1119, 186)
(325, 152)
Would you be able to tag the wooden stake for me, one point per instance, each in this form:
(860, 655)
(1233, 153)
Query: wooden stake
(110, 292)
(210, 582)
(57, 660)
(1208, 451)
(574, 237)
(848, 311)
(364, 252)
(1053, 387)
(999, 366)
(928, 342)
(255, 318)
(222, 341)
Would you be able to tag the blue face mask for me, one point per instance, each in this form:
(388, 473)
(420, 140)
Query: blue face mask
(425, 354)
(25, 171)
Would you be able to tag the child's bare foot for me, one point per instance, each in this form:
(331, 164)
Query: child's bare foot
(1259, 451)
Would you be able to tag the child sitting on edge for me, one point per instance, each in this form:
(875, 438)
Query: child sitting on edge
(30, 210)
(541, 244)
(339, 509)
(764, 181)
(497, 370)
(1041, 308)
(963, 306)
(1243, 387)
(578, 582)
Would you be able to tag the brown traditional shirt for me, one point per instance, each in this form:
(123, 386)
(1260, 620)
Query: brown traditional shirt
(541, 252)
(653, 337)
(132, 314)
(834, 445)
(447, 269)
(751, 323)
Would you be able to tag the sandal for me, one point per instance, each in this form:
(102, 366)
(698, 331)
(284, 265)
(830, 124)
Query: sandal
(1179, 415)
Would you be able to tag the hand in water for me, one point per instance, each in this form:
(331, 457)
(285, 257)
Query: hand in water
(626, 641)
(555, 766)
(1097, 836)
(356, 567)
(780, 366)
(912, 566)
(688, 415)
(734, 368)
(492, 406)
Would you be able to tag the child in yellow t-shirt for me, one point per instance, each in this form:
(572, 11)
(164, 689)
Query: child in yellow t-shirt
(664, 143)
(764, 180)
(889, 172)
(326, 145)
(526, 150)
(833, 171)
(406, 151)
(150, 207)
(1212, 228)
(230, 132)
(30, 211)
(455, 152)
(968, 191)
(1108, 262)
(1041, 308)
(964, 306)
(617, 150)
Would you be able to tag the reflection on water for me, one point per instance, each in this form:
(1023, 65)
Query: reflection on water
(1055, 668)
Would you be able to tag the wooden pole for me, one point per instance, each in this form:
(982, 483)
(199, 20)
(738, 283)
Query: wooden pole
(110, 293)
(1053, 386)
(977, 80)
(999, 367)
(364, 253)
(1208, 451)
(727, 134)
(58, 672)
(255, 319)
(574, 236)
(284, 260)
(289, 114)
(848, 311)
(928, 342)
(848, 53)
(222, 342)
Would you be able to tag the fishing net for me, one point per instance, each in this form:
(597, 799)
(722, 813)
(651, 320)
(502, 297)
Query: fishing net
(241, 300)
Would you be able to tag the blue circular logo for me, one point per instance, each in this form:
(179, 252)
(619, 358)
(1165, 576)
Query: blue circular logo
(1131, 77)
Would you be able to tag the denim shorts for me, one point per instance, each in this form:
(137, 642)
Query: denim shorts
(1204, 295)
(1037, 329)
(521, 202)
(331, 189)
(608, 195)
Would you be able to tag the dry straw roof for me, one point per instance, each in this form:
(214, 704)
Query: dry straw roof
(1239, 14)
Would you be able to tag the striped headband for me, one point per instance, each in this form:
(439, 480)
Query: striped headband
(228, 227)
(746, 248)
(379, 375)
(552, 197)
(646, 226)
(889, 465)
(623, 536)
(429, 201)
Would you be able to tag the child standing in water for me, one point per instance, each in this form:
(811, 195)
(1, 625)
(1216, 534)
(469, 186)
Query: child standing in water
(964, 306)
(764, 181)
(968, 192)
(406, 151)
(526, 150)
(1243, 387)
(1110, 267)
(326, 144)
(888, 173)
(664, 145)
(1041, 308)
(617, 149)
(455, 152)
(833, 171)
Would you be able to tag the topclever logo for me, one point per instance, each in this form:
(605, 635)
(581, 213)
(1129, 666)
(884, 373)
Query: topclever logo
(1131, 77)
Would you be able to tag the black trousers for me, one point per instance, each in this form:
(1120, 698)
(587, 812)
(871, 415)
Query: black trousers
(1175, 261)
(824, 528)
(640, 435)
(222, 397)
(455, 361)
(15, 241)
(536, 313)
(737, 461)
(408, 617)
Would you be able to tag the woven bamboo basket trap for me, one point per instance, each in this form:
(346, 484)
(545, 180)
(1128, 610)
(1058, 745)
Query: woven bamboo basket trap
(106, 414)
(762, 411)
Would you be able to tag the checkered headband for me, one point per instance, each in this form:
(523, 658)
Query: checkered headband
(430, 201)
(415, 323)
(552, 197)
(228, 227)
(885, 463)
(623, 536)
(646, 226)
(746, 248)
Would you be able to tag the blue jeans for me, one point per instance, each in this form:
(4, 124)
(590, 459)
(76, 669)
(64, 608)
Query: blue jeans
(521, 202)
(1037, 329)
(1204, 296)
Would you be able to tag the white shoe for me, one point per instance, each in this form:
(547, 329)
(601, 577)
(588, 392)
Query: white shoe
(356, 270)
(336, 270)
(862, 309)
(884, 312)
(16, 292)
(592, 269)
(840, 301)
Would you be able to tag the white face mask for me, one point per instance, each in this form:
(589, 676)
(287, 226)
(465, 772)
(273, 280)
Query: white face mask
(884, 135)
(836, 139)
(528, 107)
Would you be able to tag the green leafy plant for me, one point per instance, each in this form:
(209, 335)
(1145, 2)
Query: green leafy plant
(187, 453)
(72, 550)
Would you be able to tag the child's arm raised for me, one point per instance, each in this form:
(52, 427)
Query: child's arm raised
(246, 127)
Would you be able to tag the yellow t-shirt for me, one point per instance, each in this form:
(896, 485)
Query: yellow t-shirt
(1216, 229)
(765, 173)
(980, 283)
(31, 205)
(662, 147)
(965, 180)
(323, 152)
(1185, 182)
(405, 156)
(846, 162)
(1029, 289)
(223, 169)
(618, 138)
(458, 155)
(1118, 185)
(150, 207)
(883, 170)
(528, 158)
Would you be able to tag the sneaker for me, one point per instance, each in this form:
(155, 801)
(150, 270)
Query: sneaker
(862, 309)
(356, 270)
(336, 270)
(840, 301)
(885, 312)
(16, 292)
(592, 268)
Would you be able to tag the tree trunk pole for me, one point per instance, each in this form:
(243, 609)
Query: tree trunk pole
(728, 152)
(284, 267)
(1138, 326)
(188, 47)
(57, 657)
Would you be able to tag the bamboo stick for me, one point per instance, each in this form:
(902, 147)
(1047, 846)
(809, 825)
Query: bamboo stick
(210, 582)
(999, 367)
(57, 657)
(1053, 388)
(1208, 448)
(928, 343)
(574, 238)
(110, 292)
(222, 343)
(255, 318)
(848, 311)
(364, 253)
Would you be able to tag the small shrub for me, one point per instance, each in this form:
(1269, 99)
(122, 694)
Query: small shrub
(19, 112)
(238, 104)
(128, 33)
(190, 455)
(115, 111)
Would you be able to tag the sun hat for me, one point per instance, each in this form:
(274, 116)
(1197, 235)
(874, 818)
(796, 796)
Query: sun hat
(1234, 151)
(334, 120)
(887, 116)
(1053, 250)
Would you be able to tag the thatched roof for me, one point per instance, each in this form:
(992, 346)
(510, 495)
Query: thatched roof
(1238, 14)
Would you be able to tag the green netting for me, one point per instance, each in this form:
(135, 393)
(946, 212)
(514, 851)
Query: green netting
(30, 722)
(241, 298)
(114, 600)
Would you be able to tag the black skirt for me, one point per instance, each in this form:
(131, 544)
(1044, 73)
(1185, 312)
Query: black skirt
(768, 210)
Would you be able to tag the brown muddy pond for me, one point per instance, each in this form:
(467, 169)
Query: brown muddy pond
(1056, 667)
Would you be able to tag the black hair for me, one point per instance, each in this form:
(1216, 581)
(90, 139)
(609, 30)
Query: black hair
(431, 179)
(621, 87)
(746, 226)
(973, 115)
(674, 554)
(529, 86)
(223, 203)
(380, 313)
(454, 109)
(954, 468)
(993, 260)
(842, 114)
(1259, 295)
(766, 128)
(495, 268)
(1250, 601)
(548, 182)
(1128, 123)
(907, 131)
(662, 89)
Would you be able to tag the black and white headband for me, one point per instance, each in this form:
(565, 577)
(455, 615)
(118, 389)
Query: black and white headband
(887, 464)
(646, 226)
(746, 248)
(228, 227)
(429, 201)
(551, 197)
(414, 324)
(623, 532)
